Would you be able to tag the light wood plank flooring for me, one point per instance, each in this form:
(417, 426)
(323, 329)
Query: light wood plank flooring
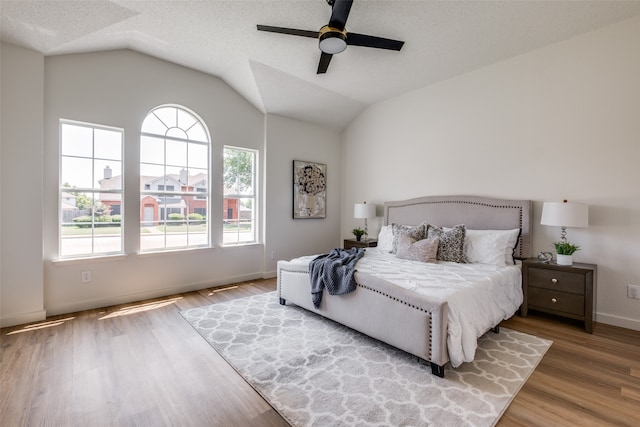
(142, 365)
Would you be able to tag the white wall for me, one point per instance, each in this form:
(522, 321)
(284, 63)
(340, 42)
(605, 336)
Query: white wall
(118, 88)
(21, 275)
(559, 122)
(288, 140)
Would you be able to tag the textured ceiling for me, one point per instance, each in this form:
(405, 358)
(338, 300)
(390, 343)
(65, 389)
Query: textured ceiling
(276, 72)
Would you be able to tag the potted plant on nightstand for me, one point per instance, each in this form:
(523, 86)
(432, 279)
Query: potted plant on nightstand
(565, 252)
(358, 232)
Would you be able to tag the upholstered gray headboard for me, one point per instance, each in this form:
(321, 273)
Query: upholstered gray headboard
(479, 213)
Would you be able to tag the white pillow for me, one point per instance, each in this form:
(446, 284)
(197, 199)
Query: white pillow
(385, 238)
(493, 247)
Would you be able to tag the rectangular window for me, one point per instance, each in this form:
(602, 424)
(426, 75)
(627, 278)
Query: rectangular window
(239, 210)
(90, 190)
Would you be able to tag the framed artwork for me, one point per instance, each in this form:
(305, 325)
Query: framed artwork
(309, 190)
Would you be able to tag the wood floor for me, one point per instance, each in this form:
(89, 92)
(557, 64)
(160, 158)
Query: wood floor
(143, 365)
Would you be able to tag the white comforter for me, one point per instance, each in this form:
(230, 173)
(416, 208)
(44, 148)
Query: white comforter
(479, 295)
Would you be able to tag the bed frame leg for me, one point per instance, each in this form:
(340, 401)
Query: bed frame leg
(283, 301)
(437, 370)
(496, 329)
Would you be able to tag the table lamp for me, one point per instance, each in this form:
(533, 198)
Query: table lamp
(563, 215)
(364, 211)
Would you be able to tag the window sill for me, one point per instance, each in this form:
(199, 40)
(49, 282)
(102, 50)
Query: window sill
(84, 260)
(174, 251)
(240, 245)
(118, 257)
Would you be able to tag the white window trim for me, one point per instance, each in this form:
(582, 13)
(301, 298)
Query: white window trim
(253, 196)
(88, 256)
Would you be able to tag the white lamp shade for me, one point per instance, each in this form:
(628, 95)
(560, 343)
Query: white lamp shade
(363, 210)
(563, 214)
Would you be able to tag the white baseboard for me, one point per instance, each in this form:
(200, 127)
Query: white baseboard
(22, 318)
(139, 296)
(269, 274)
(622, 322)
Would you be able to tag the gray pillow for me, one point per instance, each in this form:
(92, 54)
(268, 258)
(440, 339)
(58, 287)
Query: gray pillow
(451, 247)
(416, 232)
(424, 250)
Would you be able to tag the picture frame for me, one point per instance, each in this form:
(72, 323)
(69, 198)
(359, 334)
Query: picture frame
(309, 190)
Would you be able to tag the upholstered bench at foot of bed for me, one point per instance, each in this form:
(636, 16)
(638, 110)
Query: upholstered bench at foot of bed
(378, 309)
(435, 369)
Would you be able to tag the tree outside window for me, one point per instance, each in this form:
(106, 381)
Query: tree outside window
(239, 176)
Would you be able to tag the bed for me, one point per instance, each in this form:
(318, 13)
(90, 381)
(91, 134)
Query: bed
(435, 311)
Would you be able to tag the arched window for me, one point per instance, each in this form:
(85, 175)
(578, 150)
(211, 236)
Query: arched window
(174, 180)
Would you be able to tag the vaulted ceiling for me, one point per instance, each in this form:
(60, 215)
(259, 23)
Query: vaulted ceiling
(277, 73)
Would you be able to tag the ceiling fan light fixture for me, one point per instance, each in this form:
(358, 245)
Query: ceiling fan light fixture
(332, 40)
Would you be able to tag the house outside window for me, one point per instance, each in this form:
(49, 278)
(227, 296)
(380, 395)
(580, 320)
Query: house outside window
(174, 180)
(90, 191)
(239, 186)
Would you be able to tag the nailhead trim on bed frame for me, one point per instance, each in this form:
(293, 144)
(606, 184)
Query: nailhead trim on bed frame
(301, 270)
(408, 305)
(393, 298)
(467, 202)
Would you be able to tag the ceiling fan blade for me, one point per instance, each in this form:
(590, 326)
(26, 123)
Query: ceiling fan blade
(290, 31)
(325, 58)
(339, 13)
(355, 39)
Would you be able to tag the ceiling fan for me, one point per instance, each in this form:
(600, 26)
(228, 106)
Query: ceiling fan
(334, 38)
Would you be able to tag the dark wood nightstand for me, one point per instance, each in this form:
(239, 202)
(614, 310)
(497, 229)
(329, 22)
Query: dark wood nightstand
(364, 243)
(564, 290)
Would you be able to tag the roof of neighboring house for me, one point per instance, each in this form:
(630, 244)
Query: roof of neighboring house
(111, 183)
(66, 206)
(116, 181)
(68, 195)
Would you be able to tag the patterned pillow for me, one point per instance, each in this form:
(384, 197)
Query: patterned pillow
(451, 247)
(424, 250)
(416, 232)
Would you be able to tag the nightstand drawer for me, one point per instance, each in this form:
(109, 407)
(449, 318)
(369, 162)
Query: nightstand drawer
(556, 280)
(556, 301)
(563, 290)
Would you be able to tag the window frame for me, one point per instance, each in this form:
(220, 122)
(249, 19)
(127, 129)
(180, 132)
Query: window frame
(253, 196)
(94, 191)
(146, 189)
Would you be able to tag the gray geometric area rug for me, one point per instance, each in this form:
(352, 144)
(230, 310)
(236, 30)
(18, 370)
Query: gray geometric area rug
(316, 372)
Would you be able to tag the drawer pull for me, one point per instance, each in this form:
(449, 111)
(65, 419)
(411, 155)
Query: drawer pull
(553, 300)
(554, 280)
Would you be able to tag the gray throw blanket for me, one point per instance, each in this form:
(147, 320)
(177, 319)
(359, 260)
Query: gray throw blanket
(334, 271)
